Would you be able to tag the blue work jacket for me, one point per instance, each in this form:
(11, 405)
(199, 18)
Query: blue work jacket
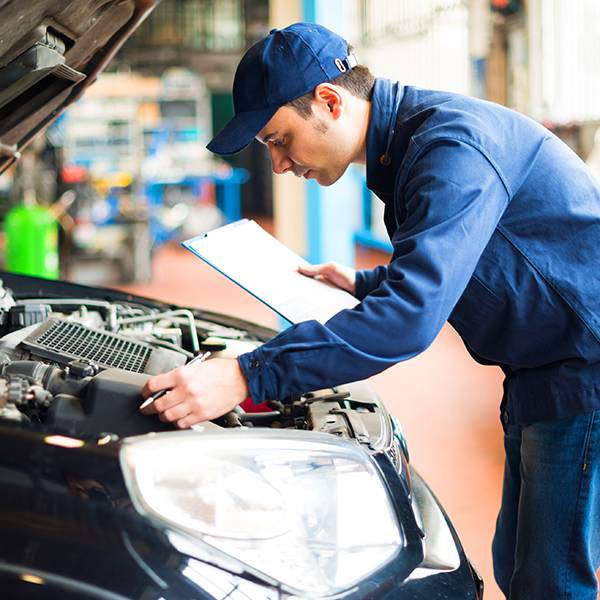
(495, 227)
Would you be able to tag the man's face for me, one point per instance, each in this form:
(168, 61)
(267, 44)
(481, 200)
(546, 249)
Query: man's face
(311, 148)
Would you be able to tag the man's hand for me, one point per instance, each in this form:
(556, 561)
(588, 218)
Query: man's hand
(198, 392)
(332, 272)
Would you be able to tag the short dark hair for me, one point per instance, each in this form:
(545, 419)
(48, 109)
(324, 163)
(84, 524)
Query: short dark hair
(359, 81)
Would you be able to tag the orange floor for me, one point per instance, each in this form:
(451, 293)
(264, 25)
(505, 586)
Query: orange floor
(447, 404)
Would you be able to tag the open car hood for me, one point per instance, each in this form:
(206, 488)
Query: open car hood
(50, 52)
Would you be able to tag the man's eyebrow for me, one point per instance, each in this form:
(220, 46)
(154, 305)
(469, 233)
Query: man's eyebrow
(265, 138)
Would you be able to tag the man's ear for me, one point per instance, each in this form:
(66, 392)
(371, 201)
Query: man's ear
(329, 98)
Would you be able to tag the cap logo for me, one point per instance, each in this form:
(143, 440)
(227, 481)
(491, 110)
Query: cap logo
(340, 65)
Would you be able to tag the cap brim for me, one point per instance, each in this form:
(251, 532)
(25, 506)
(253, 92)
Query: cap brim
(240, 131)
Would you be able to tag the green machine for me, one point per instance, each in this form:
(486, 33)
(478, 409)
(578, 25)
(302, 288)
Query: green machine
(32, 241)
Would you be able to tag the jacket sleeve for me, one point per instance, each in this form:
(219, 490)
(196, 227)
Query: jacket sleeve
(368, 281)
(449, 202)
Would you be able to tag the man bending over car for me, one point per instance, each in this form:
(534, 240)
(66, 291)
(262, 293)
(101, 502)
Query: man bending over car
(495, 226)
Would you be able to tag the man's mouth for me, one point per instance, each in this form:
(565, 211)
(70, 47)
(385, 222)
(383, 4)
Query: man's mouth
(299, 173)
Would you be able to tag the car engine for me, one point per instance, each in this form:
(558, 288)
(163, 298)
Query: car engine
(78, 364)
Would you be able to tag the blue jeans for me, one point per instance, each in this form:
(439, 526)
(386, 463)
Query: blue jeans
(547, 542)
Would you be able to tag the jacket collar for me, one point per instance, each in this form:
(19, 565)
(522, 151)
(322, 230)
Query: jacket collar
(380, 178)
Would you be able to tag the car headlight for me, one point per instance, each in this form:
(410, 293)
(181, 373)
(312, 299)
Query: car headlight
(307, 510)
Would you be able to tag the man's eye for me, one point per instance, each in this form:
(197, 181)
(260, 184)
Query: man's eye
(278, 142)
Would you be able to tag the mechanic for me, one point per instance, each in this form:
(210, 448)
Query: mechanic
(495, 226)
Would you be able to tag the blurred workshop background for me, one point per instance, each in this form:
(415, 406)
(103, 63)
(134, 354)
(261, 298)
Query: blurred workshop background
(107, 193)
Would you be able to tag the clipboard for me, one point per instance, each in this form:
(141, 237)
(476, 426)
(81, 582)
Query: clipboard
(259, 263)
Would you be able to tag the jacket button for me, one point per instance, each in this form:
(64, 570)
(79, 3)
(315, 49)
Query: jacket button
(505, 418)
(253, 364)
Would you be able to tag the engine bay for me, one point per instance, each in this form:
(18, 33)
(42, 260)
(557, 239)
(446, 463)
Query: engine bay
(79, 363)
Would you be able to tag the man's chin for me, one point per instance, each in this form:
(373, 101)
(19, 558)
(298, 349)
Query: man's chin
(324, 179)
(327, 179)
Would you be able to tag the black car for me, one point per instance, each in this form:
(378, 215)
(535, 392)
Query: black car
(303, 497)
(306, 497)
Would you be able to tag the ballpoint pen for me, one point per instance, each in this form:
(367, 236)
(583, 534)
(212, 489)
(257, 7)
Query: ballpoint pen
(198, 358)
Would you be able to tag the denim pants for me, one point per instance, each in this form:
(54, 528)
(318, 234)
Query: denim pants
(547, 542)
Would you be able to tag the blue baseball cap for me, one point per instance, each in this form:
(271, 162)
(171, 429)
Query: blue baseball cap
(285, 65)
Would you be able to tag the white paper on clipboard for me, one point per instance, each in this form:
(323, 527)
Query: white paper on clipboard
(248, 255)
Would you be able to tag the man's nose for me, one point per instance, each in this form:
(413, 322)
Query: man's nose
(280, 163)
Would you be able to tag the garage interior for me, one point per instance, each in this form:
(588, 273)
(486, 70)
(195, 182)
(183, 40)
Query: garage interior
(124, 178)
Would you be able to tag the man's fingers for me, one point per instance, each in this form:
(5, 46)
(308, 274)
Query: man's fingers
(174, 413)
(193, 398)
(154, 386)
(313, 270)
(148, 408)
(332, 272)
(188, 421)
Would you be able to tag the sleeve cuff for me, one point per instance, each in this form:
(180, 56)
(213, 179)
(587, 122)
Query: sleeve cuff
(369, 280)
(253, 365)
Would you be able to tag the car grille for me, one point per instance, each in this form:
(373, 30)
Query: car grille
(97, 346)
(62, 341)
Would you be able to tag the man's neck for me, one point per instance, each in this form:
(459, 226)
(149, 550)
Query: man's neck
(364, 120)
